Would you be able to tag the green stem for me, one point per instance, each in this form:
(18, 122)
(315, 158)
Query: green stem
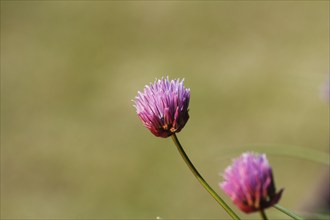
(294, 151)
(289, 213)
(202, 181)
(263, 214)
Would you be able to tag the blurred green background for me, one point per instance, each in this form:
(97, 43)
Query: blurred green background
(72, 145)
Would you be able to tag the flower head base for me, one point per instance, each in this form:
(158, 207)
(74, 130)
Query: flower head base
(163, 106)
(249, 183)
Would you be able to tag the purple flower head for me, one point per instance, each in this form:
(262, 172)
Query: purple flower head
(325, 90)
(249, 183)
(163, 106)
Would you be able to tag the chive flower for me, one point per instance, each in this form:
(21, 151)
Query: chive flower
(249, 183)
(325, 92)
(163, 106)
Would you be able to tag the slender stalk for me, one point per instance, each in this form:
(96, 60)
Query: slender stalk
(287, 212)
(297, 152)
(263, 214)
(201, 180)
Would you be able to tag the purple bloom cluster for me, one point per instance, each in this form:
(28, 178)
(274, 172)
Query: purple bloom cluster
(325, 93)
(163, 106)
(249, 183)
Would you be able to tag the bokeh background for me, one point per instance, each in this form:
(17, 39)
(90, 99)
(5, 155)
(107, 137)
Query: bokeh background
(72, 145)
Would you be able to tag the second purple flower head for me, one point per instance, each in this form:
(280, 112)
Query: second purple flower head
(249, 183)
(163, 106)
